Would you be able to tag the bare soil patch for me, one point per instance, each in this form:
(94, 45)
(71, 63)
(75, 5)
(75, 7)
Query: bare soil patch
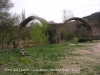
(87, 60)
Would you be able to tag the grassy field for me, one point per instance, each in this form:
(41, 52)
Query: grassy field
(57, 59)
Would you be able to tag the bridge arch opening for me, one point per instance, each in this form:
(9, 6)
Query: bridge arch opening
(85, 27)
(30, 18)
(86, 24)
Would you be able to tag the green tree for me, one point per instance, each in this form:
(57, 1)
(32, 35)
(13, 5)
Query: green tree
(39, 35)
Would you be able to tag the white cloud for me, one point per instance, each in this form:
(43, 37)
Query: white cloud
(52, 9)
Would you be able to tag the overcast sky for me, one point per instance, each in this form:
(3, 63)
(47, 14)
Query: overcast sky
(52, 10)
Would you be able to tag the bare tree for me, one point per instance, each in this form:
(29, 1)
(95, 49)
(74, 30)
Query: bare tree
(7, 23)
(67, 15)
(64, 16)
(23, 15)
(5, 5)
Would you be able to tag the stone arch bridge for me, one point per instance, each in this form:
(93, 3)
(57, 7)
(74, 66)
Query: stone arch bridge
(58, 26)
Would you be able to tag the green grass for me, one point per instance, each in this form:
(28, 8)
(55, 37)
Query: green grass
(42, 57)
(97, 69)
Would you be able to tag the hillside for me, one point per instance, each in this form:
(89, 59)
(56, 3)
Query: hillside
(93, 17)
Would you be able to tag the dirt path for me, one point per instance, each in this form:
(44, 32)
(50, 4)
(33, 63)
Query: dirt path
(88, 59)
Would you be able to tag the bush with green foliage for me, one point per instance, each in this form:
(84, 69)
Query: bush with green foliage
(75, 40)
(85, 40)
(68, 36)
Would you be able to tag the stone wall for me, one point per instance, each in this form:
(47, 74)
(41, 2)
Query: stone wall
(96, 31)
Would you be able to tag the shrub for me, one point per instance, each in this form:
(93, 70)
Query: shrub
(1, 62)
(75, 40)
(85, 40)
(69, 36)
